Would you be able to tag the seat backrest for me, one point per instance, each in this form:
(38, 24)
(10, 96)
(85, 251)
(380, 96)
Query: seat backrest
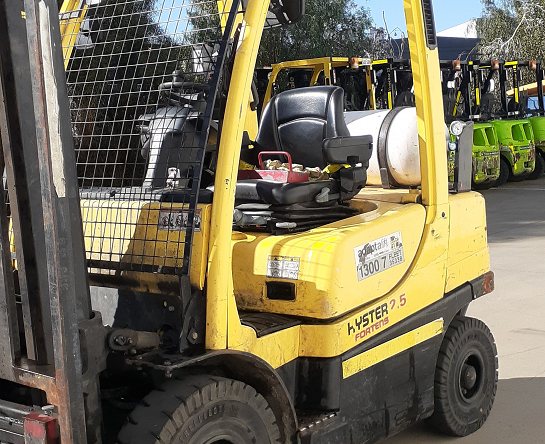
(299, 120)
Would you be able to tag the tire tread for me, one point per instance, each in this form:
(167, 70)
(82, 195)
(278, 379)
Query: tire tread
(163, 411)
(444, 419)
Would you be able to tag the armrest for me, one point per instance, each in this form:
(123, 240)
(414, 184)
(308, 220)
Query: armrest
(348, 150)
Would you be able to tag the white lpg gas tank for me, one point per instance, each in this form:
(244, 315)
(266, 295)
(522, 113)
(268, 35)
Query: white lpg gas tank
(395, 134)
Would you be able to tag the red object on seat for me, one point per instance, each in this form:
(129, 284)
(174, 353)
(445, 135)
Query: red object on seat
(281, 176)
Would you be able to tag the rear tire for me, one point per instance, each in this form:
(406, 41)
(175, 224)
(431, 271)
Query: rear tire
(483, 186)
(540, 167)
(520, 178)
(201, 410)
(505, 172)
(466, 378)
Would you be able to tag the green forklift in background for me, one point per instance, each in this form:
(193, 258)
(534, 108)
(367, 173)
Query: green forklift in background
(530, 99)
(515, 134)
(462, 101)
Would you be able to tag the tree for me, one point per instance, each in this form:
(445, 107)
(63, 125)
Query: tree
(329, 28)
(130, 48)
(512, 29)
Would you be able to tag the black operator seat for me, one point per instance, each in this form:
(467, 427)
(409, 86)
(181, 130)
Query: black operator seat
(309, 124)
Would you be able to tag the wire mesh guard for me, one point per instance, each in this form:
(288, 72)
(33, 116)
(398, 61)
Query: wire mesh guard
(143, 78)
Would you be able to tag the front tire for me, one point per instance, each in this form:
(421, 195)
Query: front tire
(202, 410)
(466, 378)
(505, 172)
(540, 167)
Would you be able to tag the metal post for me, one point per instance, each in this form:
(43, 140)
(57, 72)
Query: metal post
(64, 244)
(516, 85)
(539, 81)
(21, 162)
(44, 198)
(503, 90)
(9, 329)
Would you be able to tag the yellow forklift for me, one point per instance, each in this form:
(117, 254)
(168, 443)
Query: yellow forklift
(152, 292)
(353, 74)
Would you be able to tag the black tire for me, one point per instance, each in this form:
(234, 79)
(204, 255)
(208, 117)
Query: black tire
(519, 178)
(505, 172)
(483, 186)
(466, 378)
(201, 410)
(540, 167)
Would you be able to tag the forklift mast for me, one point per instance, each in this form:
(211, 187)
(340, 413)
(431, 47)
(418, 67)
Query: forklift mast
(49, 348)
(519, 94)
(488, 73)
(467, 91)
(392, 83)
(540, 78)
(510, 108)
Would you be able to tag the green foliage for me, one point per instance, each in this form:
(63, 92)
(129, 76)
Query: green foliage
(133, 46)
(512, 29)
(329, 28)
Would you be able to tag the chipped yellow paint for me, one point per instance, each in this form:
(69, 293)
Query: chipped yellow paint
(75, 12)
(327, 286)
(220, 298)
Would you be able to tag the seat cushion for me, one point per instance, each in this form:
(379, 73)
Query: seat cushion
(276, 193)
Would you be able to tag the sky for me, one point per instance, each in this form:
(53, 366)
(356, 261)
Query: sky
(447, 13)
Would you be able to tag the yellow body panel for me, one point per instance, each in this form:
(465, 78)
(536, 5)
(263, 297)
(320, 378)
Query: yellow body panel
(328, 285)
(468, 254)
(277, 349)
(129, 232)
(466, 259)
(72, 14)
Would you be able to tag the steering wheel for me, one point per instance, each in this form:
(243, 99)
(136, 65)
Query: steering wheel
(204, 87)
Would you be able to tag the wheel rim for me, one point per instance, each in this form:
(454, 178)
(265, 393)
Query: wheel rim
(471, 376)
(228, 430)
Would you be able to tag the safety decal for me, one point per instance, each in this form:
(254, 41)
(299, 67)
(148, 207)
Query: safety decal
(379, 255)
(178, 220)
(282, 267)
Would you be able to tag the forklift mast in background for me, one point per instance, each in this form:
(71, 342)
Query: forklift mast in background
(392, 83)
(511, 107)
(467, 87)
(54, 355)
(540, 77)
(518, 95)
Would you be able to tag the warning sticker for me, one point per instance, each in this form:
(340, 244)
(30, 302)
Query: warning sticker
(379, 255)
(282, 267)
(178, 220)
